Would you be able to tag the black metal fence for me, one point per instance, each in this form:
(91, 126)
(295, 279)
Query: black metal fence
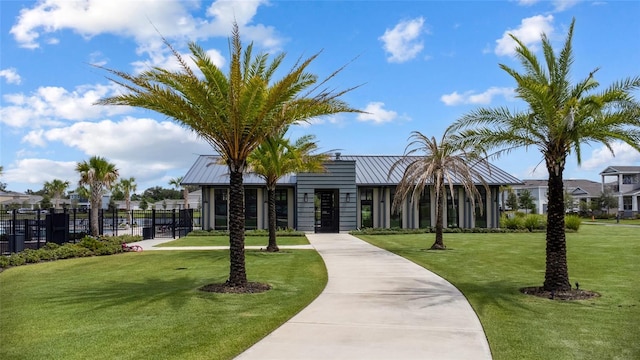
(25, 229)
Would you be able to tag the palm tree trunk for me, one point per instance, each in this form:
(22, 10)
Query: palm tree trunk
(237, 270)
(185, 195)
(271, 196)
(556, 277)
(96, 204)
(439, 243)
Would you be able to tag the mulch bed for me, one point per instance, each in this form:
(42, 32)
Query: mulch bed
(250, 288)
(572, 294)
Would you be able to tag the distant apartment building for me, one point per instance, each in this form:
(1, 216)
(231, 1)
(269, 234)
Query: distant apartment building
(580, 190)
(624, 183)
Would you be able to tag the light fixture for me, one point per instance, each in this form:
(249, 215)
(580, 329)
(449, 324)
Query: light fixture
(348, 197)
(306, 197)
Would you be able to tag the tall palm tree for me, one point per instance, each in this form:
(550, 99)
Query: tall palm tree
(504, 191)
(127, 186)
(56, 189)
(99, 175)
(276, 157)
(234, 113)
(440, 165)
(560, 117)
(177, 183)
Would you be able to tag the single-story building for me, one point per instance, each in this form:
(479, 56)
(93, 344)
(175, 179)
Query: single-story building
(355, 192)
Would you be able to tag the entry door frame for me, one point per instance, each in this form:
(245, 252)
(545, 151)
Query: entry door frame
(327, 210)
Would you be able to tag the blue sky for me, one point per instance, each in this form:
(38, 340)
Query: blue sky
(422, 65)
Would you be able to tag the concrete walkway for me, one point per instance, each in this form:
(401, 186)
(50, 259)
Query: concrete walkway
(376, 305)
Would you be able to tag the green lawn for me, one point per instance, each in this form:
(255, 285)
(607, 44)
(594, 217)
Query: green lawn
(490, 268)
(147, 305)
(613, 221)
(223, 240)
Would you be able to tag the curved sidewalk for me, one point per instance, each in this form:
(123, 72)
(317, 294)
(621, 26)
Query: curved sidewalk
(376, 305)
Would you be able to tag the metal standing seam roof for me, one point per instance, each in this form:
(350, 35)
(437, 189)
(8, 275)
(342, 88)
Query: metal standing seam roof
(371, 170)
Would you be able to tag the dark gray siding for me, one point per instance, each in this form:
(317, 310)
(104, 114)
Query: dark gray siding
(341, 176)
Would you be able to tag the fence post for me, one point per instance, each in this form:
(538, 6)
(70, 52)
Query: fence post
(173, 223)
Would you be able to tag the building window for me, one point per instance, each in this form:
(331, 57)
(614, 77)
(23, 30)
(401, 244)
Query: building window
(220, 210)
(251, 209)
(627, 203)
(424, 209)
(481, 212)
(396, 216)
(630, 179)
(282, 209)
(366, 208)
(452, 209)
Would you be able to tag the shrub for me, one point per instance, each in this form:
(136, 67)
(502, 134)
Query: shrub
(515, 223)
(535, 222)
(31, 256)
(4, 261)
(16, 259)
(572, 222)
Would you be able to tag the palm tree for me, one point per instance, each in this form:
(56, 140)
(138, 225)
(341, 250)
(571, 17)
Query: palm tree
(56, 189)
(127, 186)
(177, 183)
(98, 174)
(3, 186)
(234, 113)
(440, 165)
(276, 157)
(561, 116)
(508, 189)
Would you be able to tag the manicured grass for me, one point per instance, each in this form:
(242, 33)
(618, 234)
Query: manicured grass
(223, 240)
(490, 268)
(613, 221)
(147, 305)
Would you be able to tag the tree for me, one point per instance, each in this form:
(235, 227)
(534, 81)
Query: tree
(569, 202)
(98, 174)
(440, 165)
(56, 189)
(512, 201)
(177, 183)
(508, 189)
(3, 186)
(127, 187)
(561, 116)
(276, 157)
(526, 200)
(143, 204)
(606, 200)
(232, 112)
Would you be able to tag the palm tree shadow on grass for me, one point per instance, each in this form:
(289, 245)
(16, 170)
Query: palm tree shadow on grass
(176, 291)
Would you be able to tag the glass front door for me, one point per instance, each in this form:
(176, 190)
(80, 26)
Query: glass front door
(327, 219)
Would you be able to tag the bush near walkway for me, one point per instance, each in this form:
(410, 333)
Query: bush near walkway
(88, 246)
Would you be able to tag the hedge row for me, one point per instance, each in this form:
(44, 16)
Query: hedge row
(88, 246)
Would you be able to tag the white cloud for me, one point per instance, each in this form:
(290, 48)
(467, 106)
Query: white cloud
(403, 42)
(534, 172)
(376, 113)
(470, 97)
(36, 171)
(169, 62)
(11, 76)
(143, 148)
(602, 157)
(529, 33)
(171, 18)
(527, 2)
(562, 5)
(50, 105)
